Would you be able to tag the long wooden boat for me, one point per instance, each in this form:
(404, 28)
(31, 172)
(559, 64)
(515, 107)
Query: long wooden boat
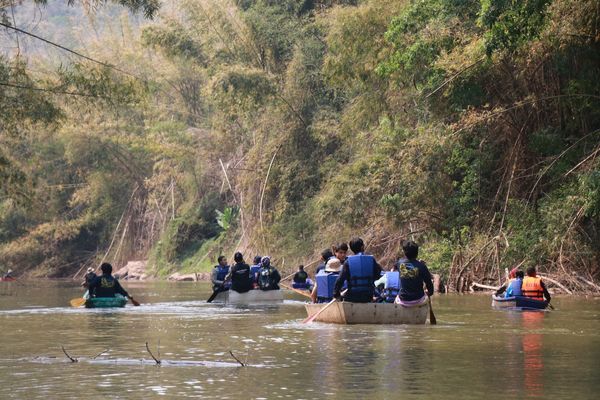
(106, 302)
(518, 303)
(254, 296)
(9, 279)
(370, 313)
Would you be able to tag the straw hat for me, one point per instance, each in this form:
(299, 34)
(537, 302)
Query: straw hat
(333, 265)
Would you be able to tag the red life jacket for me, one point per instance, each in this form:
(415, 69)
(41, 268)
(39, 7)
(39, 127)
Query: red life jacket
(532, 287)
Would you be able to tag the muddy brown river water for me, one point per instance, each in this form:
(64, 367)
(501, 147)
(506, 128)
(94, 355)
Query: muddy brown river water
(473, 353)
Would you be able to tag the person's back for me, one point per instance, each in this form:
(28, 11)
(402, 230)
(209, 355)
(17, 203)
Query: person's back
(268, 276)
(106, 285)
(413, 274)
(515, 285)
(240, 275)
(300, 277)
(392, 286)
(533, 286)
(254, 270)
(359, 272)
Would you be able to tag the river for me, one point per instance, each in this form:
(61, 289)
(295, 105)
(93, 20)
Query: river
(474, 352)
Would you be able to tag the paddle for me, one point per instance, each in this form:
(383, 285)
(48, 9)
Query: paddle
(550, 306)
(312, 318)
(213, 295)
(78, 302)
(295, 290)
(134, 302)
(432, 319)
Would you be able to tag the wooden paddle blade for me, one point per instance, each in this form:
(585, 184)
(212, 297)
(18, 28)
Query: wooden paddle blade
(311, 318)
(78, 302)
(432, 319)
(134, 302)
(212, 296)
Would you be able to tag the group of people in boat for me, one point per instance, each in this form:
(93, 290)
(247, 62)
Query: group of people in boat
(242, 278)
(359, 278)
(531, 286)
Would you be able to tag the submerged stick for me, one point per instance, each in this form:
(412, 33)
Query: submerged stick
(73, 360)
(236, 359)
(152, 355)
(99, 354)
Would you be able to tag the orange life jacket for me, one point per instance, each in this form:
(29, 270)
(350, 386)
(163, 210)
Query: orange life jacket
(532, 287)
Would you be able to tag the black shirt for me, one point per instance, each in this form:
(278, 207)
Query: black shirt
(106, 286)
(413, 274)
(300, 277)
(240, 278)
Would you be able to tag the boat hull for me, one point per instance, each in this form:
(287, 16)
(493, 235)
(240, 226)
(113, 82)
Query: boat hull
(370, 313)
(519, 303)
(106, 302)
(251, 297)
(9, 279)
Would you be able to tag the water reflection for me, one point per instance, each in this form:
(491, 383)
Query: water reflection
(532, 349)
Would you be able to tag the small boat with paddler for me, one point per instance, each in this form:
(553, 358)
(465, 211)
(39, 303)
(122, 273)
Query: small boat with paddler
(518, 303)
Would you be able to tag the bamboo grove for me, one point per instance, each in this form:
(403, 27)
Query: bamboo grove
(281, 127)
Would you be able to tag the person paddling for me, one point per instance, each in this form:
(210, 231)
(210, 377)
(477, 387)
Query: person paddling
(219, 273)
(106, 285)
(533, 286)
(239, 275)
(359, 272)
(413, 275)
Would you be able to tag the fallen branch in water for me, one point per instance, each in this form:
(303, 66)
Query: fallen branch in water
(236, 359)
(73, 360)
(555, 282)
(476, 285)
(99, 354)
(152, 355)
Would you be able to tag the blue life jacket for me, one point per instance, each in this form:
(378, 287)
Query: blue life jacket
(222, 272)
(514, 288)
(392, 286)
(325, 285)
(254, 269)
(360, 268)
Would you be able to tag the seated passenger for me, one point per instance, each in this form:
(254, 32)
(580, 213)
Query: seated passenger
(325, 256)
(254, 268)
(106, 285)
(511, 277)
(390, 282)
(268, 276)
(239, 275)
(533, 287)
(325, 281)
(358, 272)
(413, 275)
(301, 280)
(514, 287)
(89, 276)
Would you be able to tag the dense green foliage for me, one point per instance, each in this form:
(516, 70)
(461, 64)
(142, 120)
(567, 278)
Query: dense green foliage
(281, 127)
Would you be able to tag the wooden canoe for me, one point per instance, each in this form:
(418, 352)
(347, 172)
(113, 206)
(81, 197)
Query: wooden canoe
(254, 296)
(370, 313)
(8, 279)
(518, 303)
